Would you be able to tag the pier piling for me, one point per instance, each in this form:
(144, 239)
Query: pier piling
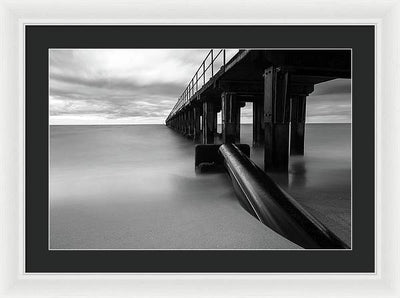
(298, 117)
(208, 122)
(276, 120)
(196, 123)
(258, 121)
(230, 113)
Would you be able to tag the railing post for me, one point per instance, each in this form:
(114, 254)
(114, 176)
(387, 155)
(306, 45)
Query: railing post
(204, 72)
(224, 58)
(212, 63)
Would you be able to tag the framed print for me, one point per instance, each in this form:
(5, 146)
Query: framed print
(169, 154)
(117, 191)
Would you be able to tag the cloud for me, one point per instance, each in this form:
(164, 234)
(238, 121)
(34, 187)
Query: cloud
(142, 85)
(330, 102)
(116, 85)
(338, 86)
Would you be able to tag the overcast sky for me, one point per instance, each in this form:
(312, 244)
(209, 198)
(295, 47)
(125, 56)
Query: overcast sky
(118, 86)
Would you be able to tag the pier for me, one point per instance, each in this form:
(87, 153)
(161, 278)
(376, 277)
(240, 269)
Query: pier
(277, 82)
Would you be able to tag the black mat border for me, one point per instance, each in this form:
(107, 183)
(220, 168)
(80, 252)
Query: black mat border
(38, 39)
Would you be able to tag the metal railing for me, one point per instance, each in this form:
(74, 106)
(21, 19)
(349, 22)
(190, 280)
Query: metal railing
(209, 65)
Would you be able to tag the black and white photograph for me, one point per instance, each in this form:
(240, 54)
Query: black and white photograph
(194, 149)
(200, 149)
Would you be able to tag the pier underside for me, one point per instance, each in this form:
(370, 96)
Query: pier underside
(277, 82)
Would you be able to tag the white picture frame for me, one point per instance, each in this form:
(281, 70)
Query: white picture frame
(384, 15)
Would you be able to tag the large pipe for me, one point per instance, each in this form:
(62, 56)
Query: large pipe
(273, 206)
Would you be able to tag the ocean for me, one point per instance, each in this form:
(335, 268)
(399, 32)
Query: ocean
(135, 187)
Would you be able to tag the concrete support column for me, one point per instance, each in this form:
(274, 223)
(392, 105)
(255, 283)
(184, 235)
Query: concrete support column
(208, 122)
(187, 122)
(276, 120)
(237, 130)
(298, 119)
(215, 122)
(182, 122)
(230, 119)
(196, 123)
(258, 121)
(191, 122)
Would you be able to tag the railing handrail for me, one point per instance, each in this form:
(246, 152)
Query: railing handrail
(193, 86)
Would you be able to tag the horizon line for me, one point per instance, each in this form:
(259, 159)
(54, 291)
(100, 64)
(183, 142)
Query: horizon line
(92, 124)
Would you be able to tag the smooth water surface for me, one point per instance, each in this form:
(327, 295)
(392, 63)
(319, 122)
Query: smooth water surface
(134, 187)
